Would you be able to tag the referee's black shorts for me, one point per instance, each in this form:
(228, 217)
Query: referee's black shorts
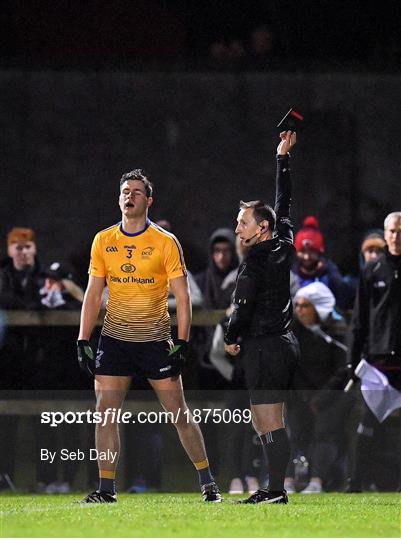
(147, 359)
(269, 363)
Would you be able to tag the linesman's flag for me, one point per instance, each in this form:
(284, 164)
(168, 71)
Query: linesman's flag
(381, 398)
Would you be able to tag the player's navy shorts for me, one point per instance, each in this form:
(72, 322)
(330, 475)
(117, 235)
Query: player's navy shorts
(269, 363)
(147, 359)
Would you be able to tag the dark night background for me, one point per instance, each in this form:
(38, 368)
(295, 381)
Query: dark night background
(92, 89)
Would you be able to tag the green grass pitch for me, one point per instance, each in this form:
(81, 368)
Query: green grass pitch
(185, 515)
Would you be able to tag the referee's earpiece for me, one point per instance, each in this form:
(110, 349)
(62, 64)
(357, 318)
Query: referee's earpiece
(257, 235)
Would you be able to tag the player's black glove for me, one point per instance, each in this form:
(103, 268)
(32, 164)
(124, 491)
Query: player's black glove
(86, 358)
(178, 354)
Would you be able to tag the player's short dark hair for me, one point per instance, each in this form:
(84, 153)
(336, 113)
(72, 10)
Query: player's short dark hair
(138, 174)
(261, 211)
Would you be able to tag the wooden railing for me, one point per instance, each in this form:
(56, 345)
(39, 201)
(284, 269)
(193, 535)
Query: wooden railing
(71, 318)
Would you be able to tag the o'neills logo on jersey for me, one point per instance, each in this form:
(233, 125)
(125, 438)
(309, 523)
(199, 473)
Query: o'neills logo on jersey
(128, 268)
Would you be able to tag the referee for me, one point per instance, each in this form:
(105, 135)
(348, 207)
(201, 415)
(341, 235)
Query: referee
(140, 262)
(260, 324)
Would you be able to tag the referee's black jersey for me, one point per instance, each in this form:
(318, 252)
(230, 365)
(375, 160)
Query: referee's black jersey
(262, 301)
(376, 320)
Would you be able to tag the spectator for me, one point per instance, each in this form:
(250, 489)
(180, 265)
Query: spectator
(59, 290)
(222, 260)
(375, 335)
(216, 295)
(372, 246)
(20, 281)
(316, 412)
(312, 265)
(21, 277)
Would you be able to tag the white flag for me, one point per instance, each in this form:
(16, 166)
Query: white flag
(381, 398)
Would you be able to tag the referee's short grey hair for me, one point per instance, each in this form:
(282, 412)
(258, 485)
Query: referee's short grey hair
(392, 215)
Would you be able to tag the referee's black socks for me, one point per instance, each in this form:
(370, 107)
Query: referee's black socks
(276, 446)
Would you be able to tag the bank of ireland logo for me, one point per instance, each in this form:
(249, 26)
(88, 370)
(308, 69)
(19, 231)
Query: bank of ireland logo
(128, 268)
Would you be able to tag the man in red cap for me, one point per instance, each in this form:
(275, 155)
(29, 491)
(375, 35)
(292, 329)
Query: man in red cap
(312, 265)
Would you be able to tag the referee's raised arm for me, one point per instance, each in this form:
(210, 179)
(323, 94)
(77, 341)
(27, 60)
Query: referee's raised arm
(282, 204)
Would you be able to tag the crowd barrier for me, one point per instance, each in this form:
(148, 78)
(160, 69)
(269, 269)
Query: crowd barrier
(71, 318)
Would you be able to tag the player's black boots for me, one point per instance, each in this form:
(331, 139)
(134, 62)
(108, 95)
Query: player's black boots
(100, 497)
(210, 493)
(267, 497)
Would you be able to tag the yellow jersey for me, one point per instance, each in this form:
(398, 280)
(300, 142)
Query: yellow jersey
(137, 268)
